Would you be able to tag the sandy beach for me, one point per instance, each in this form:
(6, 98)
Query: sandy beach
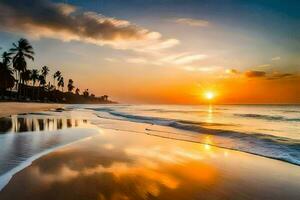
(121, 162)
(12, 108)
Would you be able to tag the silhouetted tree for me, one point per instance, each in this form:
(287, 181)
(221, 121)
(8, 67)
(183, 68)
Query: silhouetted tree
(6, 58)
(77, 91)
(34, 76)
(70, 85)
(42, 83)
(18, 55)
(56, 76)
(25, 77)
(61, 83)
(45, 71)
(7, 79)
(42, 80)
(86, 93)
(105, 97)
(21, 51)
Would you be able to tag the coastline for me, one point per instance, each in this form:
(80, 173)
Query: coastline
(13, 108)
(125, 163)
(124, 160)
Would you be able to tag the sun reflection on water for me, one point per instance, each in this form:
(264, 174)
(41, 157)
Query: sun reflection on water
(210, 111)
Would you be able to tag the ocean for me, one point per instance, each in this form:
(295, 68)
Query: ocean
(267, 130)
(271, 131)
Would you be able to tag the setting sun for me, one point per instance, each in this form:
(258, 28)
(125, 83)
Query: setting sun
(209, 95)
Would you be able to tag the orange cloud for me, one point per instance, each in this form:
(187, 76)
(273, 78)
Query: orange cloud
(254, 74)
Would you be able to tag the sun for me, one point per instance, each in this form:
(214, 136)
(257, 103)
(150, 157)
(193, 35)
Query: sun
(209, 95)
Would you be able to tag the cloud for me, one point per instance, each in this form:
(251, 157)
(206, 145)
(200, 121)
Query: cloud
(41, 18)
(270, 76)
(193, 22)
(255, 74)
(111, 59)
(263, 65)
(276, 58)
(231, 71)
(183, 58)
(276, 76)
(136, 60)
(202, 68)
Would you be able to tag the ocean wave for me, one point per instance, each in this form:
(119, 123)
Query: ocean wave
(268, 117)
(156, 120)
(281, 148)
(290, 111)
(179, 111)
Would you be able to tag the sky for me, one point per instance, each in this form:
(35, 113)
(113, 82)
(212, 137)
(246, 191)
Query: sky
(165, 51)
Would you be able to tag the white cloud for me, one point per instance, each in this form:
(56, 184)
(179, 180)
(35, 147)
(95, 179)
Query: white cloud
(183, 58)
(193, 22)
(263, 65)
(202, 68)
(276, 58)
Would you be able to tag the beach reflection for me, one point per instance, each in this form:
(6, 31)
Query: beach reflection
(210, 112)
(123, 165)
(23, 123)
(111, 170)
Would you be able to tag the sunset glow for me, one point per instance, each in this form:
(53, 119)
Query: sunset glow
(166, 58)
(209, 95)
(173, 87)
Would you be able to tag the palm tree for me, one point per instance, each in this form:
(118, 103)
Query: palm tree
(61, 83)
(34, 76)
(6, 70)
(6, 58)
(70, 85)
(77, 91)
(86, 93)
(56, 76)
(105, 97)
(25, 76)
(45, 72)
(21, 51)
(42, 83)
(7, 79)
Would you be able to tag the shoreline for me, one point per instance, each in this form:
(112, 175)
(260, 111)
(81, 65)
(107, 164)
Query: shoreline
(6, 178)
(13, 108)
(119, 160)
(154, 161)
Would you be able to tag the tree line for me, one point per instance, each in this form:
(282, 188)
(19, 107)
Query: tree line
(33, 84)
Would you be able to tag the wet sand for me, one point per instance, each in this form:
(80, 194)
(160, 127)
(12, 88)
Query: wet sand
(12, 108)
(120, 164)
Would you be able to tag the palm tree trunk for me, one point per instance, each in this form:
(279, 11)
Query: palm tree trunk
(33, 97)
(18, 84)
(39, 92)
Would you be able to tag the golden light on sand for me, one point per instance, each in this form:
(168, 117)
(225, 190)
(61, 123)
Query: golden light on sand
(209, 95)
